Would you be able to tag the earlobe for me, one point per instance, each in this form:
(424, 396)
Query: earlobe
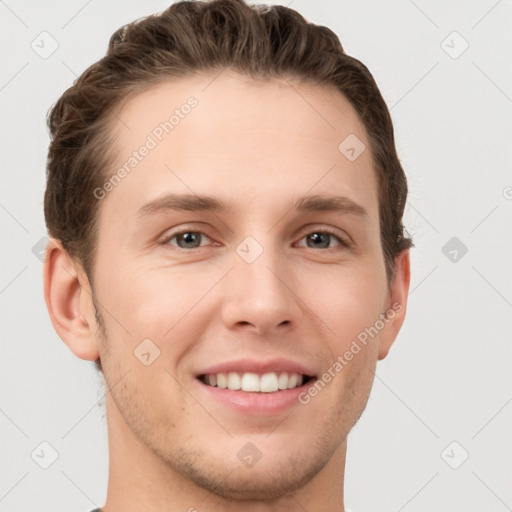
(397, 305)
(69, 301)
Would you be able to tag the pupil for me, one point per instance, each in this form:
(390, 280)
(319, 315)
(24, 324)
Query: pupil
(319, 237)
(189, 238)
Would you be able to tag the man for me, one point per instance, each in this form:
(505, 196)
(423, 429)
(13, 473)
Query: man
(225, 204)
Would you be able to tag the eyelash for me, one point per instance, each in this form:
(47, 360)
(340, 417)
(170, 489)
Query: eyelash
(344, 242)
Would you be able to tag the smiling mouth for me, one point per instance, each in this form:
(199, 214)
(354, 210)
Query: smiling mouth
(250, 382)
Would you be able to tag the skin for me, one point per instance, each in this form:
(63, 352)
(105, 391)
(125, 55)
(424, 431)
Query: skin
(258, 147)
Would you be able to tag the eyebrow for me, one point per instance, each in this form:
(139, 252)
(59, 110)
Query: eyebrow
(206, 203)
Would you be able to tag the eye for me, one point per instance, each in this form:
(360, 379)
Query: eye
(322, 239)
(186, 239)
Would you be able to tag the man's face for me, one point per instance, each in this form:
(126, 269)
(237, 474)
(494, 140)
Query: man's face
(257, 288)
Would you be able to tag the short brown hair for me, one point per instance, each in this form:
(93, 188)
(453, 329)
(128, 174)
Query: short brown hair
(259, 41)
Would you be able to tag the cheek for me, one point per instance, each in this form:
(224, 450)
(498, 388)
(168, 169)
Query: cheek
(347, 301)
(150, 301)
(163, 305)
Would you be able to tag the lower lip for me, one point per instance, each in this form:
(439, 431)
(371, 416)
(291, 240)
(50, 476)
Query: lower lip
(257, 403)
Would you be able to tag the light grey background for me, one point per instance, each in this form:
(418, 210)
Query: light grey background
(447, 378)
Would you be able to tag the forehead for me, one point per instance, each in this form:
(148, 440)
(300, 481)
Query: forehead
(231, 101)
(234, 136)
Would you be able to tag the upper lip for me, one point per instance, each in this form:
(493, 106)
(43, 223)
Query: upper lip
(257, 366)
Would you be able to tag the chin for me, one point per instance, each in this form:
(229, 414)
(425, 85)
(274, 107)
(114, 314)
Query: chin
(268, 482)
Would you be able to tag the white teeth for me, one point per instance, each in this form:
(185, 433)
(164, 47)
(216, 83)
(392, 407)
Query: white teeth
(234, 381)
(282, 381)
(292, 381)
(268, 383)
(222, 381)
(252, 382)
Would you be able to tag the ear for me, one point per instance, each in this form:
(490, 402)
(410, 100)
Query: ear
(68, 297)
(397, 304)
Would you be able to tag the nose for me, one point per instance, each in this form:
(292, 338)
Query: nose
(259, 297)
